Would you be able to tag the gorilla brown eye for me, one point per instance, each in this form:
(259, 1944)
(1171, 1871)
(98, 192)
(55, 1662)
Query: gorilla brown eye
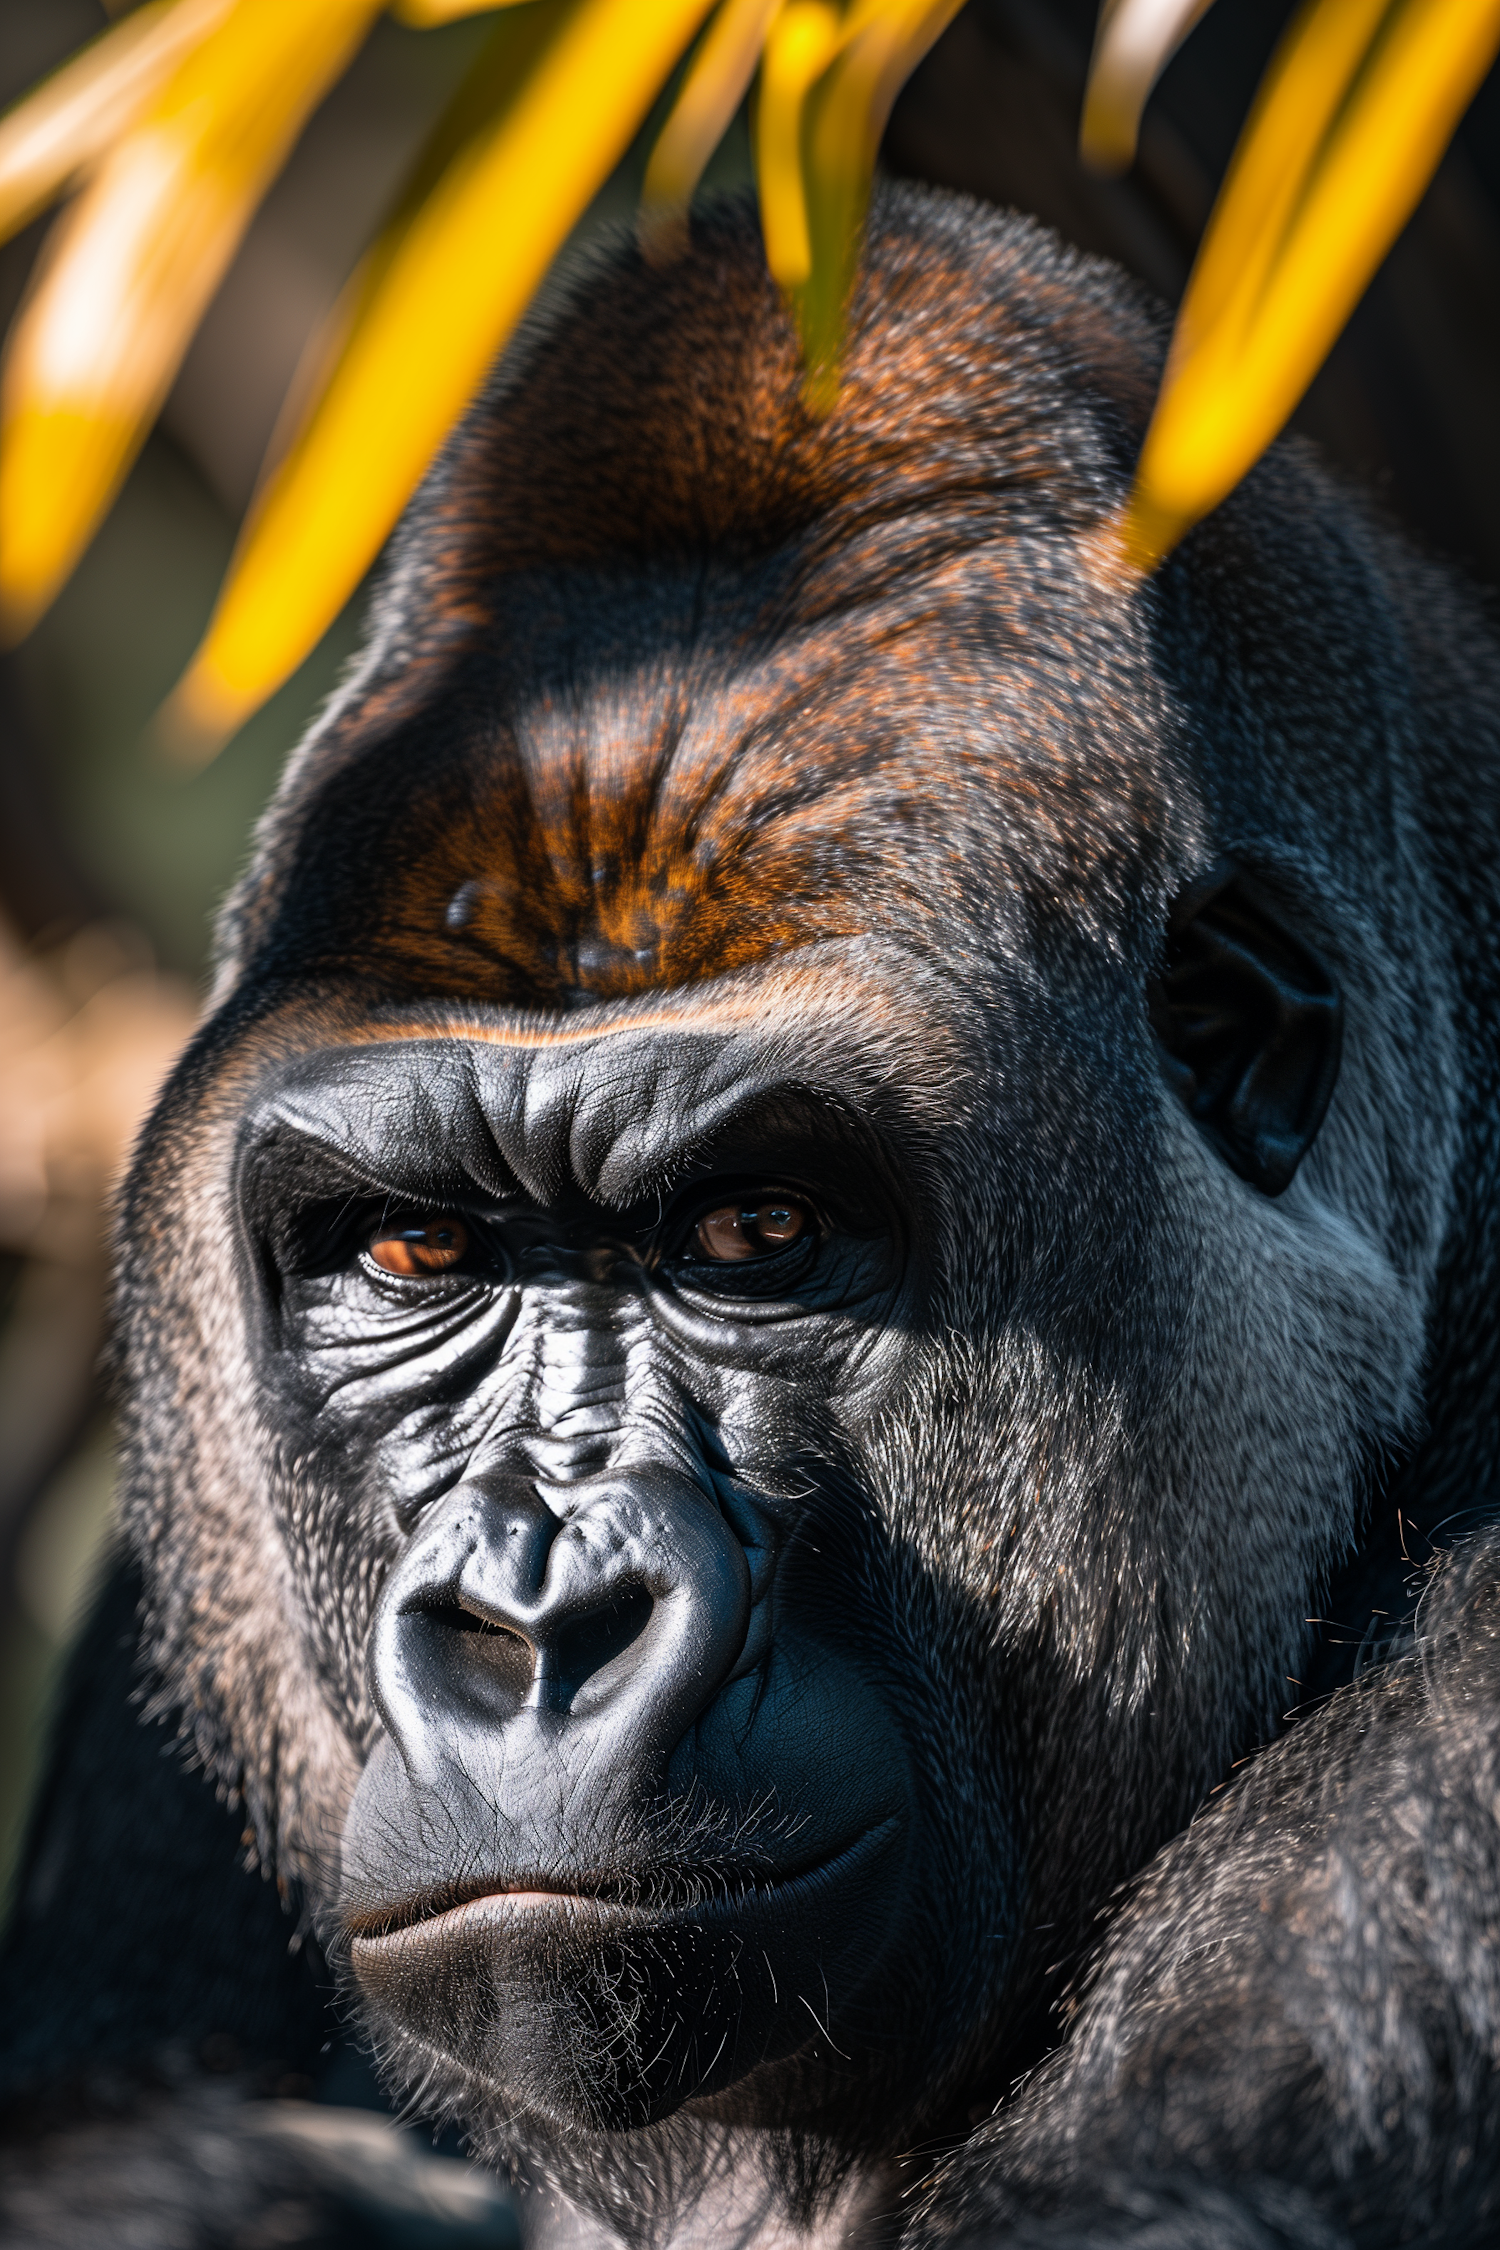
(428, 1246)
(750, 1230)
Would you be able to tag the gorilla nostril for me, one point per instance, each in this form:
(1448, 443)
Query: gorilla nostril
(504, 1669)
(584, 1645)
(475, 1648)
(512, 1624)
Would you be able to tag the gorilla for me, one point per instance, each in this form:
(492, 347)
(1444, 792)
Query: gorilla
(796, 1343)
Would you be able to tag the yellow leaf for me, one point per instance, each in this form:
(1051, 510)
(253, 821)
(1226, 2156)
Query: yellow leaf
(1133, 44)
(1303, 92)
(804, 39)
(451, 291)
(883, 43)
(48, 138)
(1272, 302)
(711, 93)
(425, 15)
(130, 268)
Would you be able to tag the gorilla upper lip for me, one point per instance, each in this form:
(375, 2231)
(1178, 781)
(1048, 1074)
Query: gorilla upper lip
(652, 1895)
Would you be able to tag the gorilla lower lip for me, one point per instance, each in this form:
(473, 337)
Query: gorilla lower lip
(495, 1909)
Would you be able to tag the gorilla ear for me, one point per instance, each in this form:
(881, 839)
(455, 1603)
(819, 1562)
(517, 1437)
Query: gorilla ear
(1250, 1024)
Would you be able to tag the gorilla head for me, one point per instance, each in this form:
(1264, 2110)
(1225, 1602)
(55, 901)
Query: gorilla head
(735, 1406)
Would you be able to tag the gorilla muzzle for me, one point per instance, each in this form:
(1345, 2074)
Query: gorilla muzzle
(542, 1644)
(519, 1887)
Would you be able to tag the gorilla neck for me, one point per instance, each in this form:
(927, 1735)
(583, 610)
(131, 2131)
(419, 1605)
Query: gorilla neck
(736, 2210)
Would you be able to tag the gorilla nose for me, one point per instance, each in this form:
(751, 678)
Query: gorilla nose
(607, 1612)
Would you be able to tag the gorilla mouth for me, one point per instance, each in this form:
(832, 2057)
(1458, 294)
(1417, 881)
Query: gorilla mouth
(606, 1901)
(602, 2007)
(615, 1897)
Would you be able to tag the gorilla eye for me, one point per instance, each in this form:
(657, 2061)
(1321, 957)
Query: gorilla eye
(735, 1231)
(422, 1247)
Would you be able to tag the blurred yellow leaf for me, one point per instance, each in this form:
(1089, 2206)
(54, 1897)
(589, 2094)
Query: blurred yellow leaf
(451, 291)
(711, 92)
(884, 40)
(1353, 120)
(1133, 44)
(129, 269)
(72, 117)
(1304, 92)
(425, 15)
(802, 41)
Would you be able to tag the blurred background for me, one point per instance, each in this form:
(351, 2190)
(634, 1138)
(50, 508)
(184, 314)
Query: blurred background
(112, 860)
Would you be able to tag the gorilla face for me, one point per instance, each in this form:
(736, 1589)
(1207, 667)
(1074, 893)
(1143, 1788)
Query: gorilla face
(807, 1318)
(685, 1723)
(601, 1340)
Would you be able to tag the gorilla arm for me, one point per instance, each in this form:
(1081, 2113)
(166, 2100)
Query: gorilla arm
(1305, 1987)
